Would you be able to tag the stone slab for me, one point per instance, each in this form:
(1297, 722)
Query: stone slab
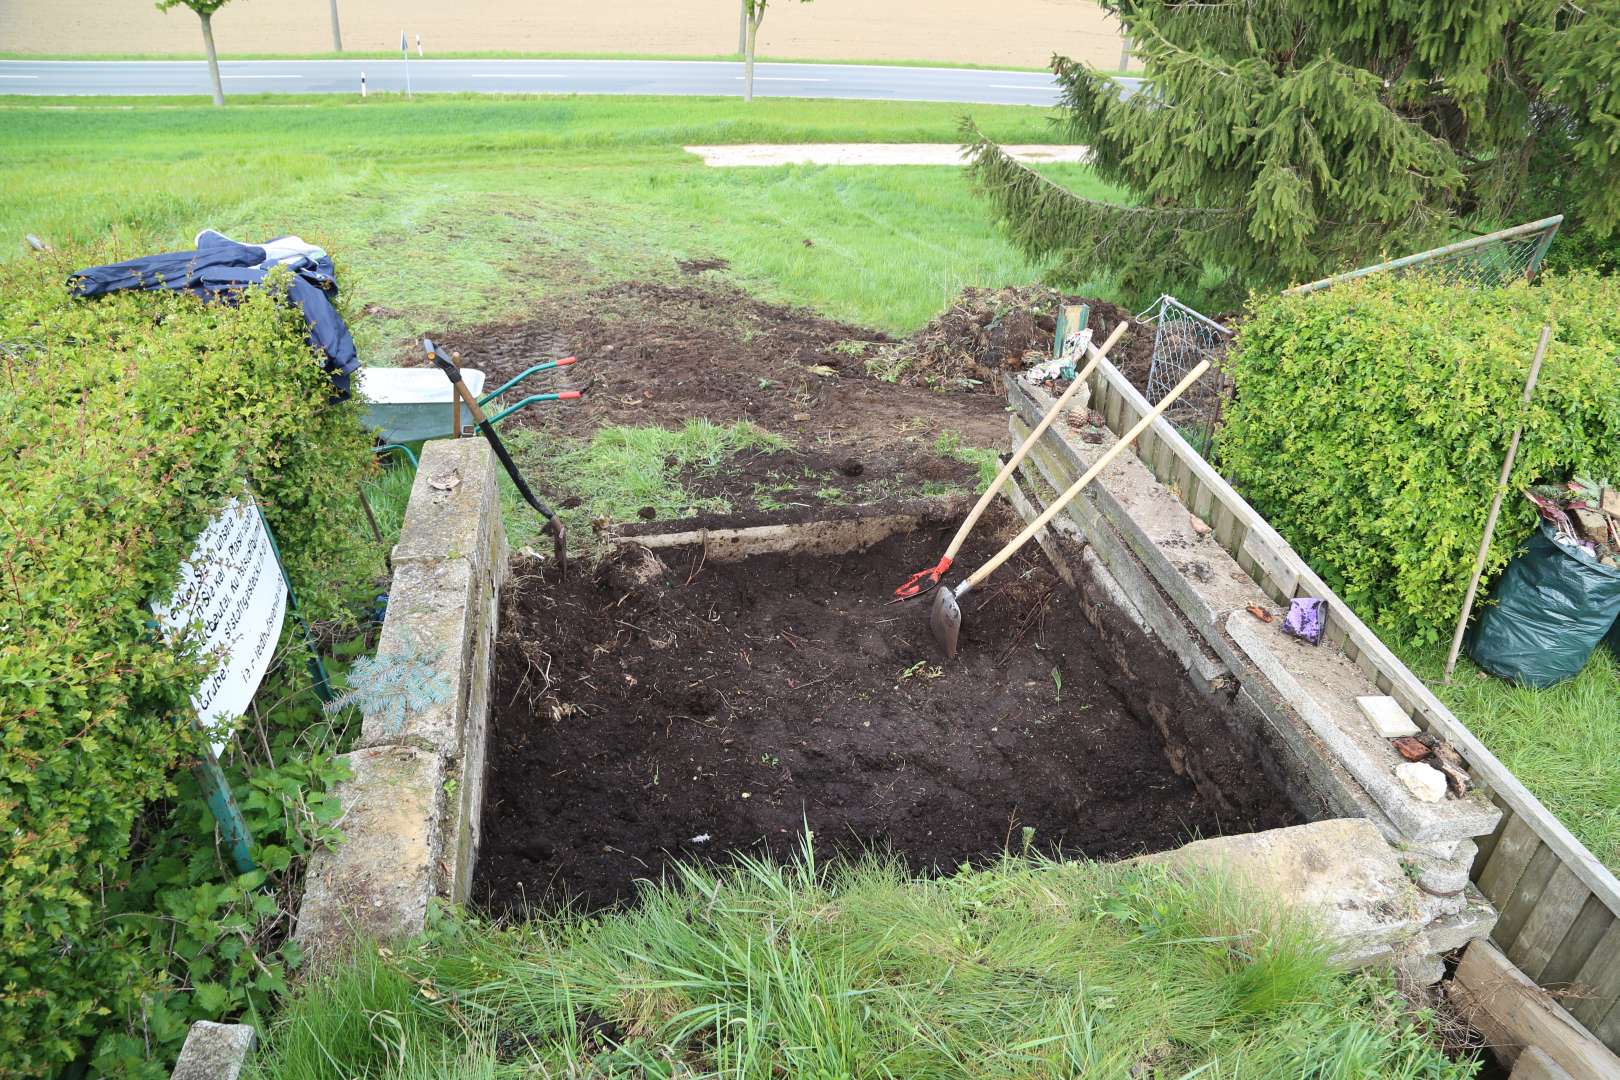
(214, 1051)
(445, 517)
(1340, 873)
(433, 613)
(1386, 716)
(378, 882)
(1321, 684)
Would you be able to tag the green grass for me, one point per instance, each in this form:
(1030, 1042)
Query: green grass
(462, 209)
(498, 54)
(620, 471)
(1563, 742)
(1026, 969)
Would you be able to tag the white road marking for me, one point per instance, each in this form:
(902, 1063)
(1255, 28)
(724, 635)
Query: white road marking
(780, 78)
(261, 76)
(19, 76)
(514, 75)
(1025, 86)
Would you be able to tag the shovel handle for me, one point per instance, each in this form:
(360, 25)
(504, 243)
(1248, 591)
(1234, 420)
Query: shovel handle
(1080, 485)
(1023, 451)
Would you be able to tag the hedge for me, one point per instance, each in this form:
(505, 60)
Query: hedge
(1370, 420)
(125, 423)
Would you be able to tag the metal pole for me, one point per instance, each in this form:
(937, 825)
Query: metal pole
(1549, 224)
(222, 804)
(1496, 507)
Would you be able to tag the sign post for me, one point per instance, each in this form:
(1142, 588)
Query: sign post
(405, 55)
(234, 592)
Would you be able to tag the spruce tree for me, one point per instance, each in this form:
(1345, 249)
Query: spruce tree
(1281, 140)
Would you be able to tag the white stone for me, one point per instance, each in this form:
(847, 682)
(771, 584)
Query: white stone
(1387, 717)
(1425, 782)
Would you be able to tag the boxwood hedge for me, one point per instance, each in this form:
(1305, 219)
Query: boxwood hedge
(1370, 421)
(125, 423)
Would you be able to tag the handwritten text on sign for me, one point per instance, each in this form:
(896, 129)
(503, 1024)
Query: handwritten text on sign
(232, 592)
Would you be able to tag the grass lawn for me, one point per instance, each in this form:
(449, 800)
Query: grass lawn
(1562, 742)
(460, 208)
(1027, 969)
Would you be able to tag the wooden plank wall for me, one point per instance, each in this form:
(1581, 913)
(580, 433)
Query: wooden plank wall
(1560, 906)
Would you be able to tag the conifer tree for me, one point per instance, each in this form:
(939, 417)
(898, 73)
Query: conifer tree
(1284, 139)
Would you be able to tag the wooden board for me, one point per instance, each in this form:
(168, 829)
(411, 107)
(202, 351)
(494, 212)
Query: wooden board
(1513, 1013)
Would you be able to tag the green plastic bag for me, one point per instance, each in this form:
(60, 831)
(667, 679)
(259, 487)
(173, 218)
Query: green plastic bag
(1551, 608)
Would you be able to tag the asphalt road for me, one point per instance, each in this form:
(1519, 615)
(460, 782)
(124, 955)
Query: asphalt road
(75, 77)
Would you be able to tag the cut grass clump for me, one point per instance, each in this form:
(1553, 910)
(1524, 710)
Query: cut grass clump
(622, 472)
(1025, 969)
(988, 462)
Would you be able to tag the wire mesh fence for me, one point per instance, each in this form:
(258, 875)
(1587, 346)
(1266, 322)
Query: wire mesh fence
(1181, 339)
(1483, 261)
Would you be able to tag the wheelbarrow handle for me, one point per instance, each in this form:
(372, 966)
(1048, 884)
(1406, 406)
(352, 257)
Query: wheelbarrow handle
(518, 378)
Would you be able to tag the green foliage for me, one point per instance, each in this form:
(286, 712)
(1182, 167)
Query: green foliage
(125, 423)
(1370, 421)
(1023, 969)
(207, 943)
(1284, 141)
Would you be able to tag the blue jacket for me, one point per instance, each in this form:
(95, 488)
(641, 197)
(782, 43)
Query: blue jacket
(221, 267)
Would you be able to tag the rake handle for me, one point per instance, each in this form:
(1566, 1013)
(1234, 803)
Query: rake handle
(1023, 451)
(1080, 485)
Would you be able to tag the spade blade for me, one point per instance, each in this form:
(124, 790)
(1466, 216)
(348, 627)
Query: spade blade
(945, 620)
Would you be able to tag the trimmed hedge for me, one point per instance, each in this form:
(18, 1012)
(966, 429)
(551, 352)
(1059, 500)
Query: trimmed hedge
(125, 423)
(1370, 422)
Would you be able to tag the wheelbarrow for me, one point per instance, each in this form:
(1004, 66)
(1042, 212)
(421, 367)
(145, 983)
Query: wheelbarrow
(407, 405)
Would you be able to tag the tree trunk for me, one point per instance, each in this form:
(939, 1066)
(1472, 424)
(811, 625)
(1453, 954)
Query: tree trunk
(742, 27)
(337, 31)
(748, 55)
(213, 58)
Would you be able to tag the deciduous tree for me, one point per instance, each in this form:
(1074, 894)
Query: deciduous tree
(205, 11)
(753, 15)
(1283, 139)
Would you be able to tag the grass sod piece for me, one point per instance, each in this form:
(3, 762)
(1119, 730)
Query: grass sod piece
(1026, 968)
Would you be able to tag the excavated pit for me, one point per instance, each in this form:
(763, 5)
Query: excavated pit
(672, 707)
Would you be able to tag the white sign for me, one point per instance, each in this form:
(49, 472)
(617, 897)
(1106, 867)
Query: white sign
(231, 592)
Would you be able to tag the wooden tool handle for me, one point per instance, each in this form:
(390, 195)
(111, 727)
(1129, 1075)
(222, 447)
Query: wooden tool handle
(1079, 485)
(1023, 451)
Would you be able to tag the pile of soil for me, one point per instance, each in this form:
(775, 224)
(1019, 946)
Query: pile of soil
(990, 332)
(678, 709)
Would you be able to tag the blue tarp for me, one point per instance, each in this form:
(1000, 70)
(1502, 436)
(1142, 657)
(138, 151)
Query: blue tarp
(220, 267)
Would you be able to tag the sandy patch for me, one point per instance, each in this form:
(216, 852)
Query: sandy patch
(763, 154)
(1019, 33)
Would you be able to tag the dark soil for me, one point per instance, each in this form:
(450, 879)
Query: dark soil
(663, 354)
(677, 709)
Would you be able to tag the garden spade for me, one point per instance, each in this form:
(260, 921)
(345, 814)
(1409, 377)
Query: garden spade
(923, 580)
(945, 619)
(447, 364)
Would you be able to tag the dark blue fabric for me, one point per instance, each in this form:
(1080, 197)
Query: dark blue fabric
(218, 270)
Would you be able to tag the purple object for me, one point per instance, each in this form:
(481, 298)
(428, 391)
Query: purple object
(1307, 618)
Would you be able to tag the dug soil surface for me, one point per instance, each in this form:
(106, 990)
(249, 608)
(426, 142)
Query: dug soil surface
(677, 709)
(863, 412)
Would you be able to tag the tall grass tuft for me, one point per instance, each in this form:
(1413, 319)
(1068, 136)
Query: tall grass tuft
(1028, 968)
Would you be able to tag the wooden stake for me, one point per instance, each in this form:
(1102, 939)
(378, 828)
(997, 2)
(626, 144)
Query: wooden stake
(1496, 507)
